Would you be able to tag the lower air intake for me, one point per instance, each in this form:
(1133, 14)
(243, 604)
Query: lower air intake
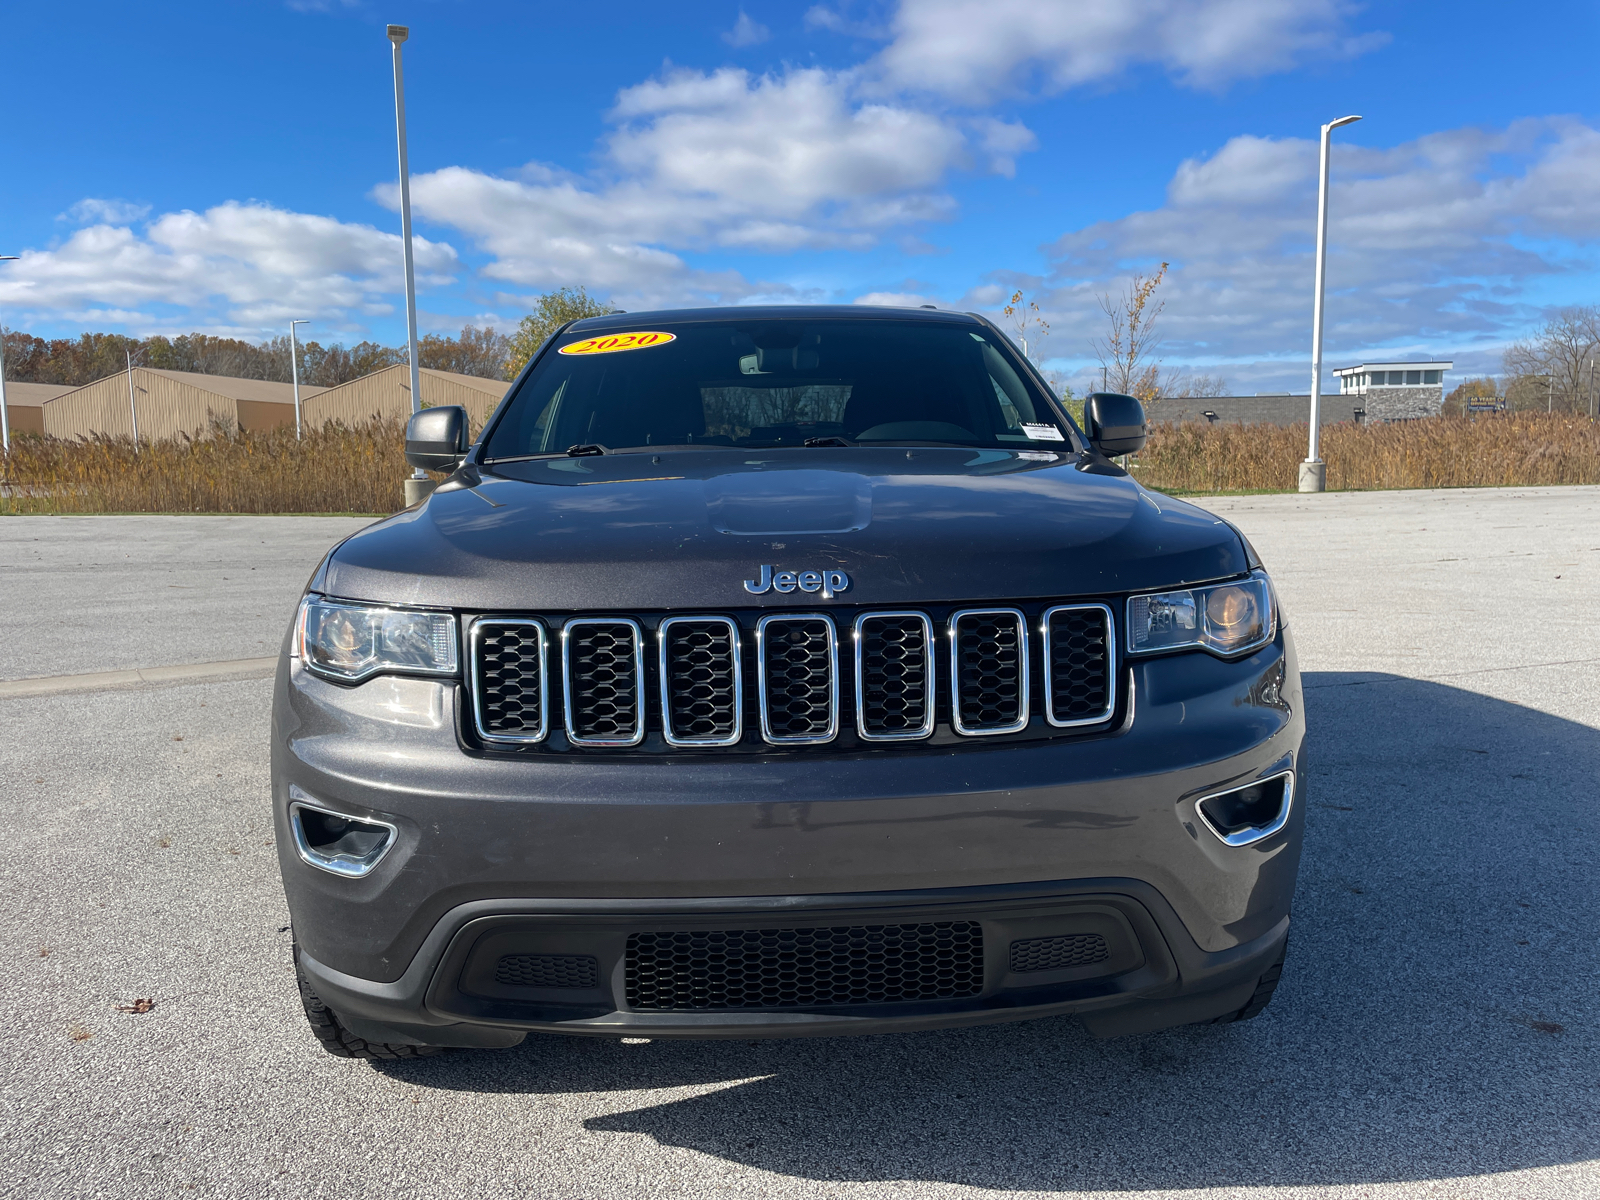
(804, 968)
(547, 970)
(1058, 953)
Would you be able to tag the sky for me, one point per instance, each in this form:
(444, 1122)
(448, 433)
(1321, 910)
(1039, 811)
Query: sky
(227, 167)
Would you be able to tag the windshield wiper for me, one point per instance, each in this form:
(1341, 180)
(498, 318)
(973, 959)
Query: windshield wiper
(585, 451)
(832, 440)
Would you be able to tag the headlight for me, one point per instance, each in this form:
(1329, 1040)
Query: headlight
(352, 641)
(1227, 618)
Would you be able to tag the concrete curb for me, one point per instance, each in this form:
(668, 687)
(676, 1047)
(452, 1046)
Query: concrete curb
(142, 677)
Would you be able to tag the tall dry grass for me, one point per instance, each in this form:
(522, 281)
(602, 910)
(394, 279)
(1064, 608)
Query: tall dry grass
(362, 469)
(334, 469)
(1503, 450)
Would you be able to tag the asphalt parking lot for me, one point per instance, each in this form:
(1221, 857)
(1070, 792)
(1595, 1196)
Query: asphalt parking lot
(1437, 1032)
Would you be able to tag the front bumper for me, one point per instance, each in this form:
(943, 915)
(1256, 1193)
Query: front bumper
(572, 855)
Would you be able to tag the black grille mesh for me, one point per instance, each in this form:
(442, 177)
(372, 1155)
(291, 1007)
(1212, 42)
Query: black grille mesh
(548, 970)
(989, 670)
(508, 672)
(804, 968)
(1055, 953)
(602, 681)
(701, 700)
(1080, 678)
(894, 675)
(798, 677)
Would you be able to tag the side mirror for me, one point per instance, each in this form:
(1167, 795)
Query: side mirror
(1114, 423)
(436, 438)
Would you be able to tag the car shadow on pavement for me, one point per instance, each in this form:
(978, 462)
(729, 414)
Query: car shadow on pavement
(1437, 1016)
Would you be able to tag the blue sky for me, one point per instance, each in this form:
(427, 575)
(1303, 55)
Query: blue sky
(225, 167)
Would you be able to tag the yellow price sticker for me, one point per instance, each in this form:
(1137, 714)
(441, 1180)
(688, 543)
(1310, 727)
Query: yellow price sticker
(613, 342)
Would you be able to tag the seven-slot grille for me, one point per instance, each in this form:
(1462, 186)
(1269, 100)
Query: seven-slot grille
(803, 968)
(706, 671)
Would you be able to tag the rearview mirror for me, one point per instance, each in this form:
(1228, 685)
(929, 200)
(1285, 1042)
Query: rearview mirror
(1115, 424)
(436, 438)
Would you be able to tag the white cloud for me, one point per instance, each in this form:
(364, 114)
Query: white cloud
(249, 265)
(721, 160)
(1434, 244)
(90, 211)
(974, 51)
(894, 299)
(746, 32)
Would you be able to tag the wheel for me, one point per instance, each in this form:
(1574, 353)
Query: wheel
(339, 1041)
(1265, 986)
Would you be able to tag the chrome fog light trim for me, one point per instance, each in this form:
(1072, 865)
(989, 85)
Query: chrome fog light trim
(1254, 833)
(352, 864)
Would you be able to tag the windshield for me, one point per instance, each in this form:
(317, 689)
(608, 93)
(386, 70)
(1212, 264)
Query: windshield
(768, 383)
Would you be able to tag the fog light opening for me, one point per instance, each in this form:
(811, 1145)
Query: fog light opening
(338, 842)
(1247, 814)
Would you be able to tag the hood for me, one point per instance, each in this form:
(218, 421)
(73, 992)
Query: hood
(685, 529)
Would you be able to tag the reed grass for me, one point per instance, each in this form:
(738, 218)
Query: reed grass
(1505, 450)
(362, 469)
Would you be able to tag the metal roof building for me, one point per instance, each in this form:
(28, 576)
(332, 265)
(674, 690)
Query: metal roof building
(1280, 409)
(25, 405)
(387, 393)
(169, 403)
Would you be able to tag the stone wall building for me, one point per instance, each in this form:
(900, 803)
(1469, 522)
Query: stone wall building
(1395, 391)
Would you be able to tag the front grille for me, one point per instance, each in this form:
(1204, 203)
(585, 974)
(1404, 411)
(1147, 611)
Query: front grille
(1079, 643)
(894, 676)
(547, 970)
(701, 684)
(508, 671)
(804, 968)
(989, 664)
(691, 681)
(799, 679)
(1055, 953)
(602, 675)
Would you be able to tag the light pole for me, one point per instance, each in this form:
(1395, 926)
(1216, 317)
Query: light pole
(294, 374)
(417, 486)
(1314, 472)
(133, 409)
(5, 417)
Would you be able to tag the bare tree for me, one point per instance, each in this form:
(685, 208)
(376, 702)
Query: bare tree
(1127, 352)
(1024, 315)
(1554, 368)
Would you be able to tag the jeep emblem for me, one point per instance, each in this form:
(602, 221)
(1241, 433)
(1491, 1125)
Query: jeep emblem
(829, 583)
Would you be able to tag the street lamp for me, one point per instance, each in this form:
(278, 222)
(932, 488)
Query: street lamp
(5, 417)
(294, 374)
(133, 409)
(1314, 472)
(417, 486)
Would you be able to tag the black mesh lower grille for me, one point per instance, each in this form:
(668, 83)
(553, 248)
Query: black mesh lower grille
(798, 679)
(602, 681)
(989, 650)
(547, 970)
(702, 701)
(804, 968)
(1055, 953)
(895, 697)
(508, 663)
(1079, 679)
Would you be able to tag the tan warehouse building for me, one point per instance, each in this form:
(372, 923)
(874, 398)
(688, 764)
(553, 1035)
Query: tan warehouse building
(169, 403)
(25, 405)
(387, 393)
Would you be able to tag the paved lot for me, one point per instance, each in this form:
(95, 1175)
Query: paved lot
(1437, 1032)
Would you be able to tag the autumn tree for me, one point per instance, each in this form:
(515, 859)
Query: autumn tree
(1556, 367)
(1128, 350)
(480, 352)
(1025, 318)
(550, 313)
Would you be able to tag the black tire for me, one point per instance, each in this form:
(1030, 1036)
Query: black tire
(339, 1041)
(1265, 986)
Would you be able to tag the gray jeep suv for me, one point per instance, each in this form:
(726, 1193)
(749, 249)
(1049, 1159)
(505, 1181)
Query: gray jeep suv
(779, 671)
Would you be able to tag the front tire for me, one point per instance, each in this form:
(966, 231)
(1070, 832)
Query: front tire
(339, 1041)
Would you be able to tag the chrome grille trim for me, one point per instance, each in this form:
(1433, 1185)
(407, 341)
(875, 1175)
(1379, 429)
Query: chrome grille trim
(1049, 669)
(764, 688)
(956, 686)
(930, 687)
(638, 681)
(475, 635)
(663, 637)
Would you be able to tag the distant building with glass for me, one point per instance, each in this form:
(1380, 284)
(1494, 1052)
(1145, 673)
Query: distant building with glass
(1395, 391)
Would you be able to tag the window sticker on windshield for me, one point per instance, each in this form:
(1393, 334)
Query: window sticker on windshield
(1040, 433)
(612, 342)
